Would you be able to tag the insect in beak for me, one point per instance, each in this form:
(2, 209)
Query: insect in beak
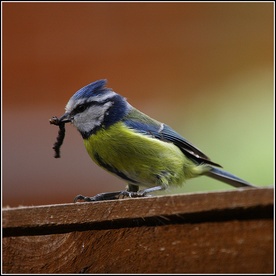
(61, 133)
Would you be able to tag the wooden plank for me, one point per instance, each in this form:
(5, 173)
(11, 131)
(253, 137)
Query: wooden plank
(58, 217)
(220, 232)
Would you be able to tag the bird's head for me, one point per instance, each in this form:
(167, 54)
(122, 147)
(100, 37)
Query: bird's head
(93, 107)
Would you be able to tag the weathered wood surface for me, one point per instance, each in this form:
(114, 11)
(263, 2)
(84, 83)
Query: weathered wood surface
(219, 232)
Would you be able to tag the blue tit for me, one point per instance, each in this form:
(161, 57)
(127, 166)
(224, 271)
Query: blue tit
(130, 144)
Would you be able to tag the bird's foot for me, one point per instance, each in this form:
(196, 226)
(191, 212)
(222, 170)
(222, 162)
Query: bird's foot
(119, 194)
(112, 196)
(98, 197)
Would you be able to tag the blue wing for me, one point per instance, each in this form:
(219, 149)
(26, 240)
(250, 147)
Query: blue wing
(147, 126)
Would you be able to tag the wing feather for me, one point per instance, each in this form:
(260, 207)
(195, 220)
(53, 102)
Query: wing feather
(147, 126)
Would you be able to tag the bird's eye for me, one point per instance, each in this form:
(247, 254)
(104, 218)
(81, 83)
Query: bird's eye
(80, 108)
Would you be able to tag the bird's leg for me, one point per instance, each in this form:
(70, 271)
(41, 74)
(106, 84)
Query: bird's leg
(110, 195)
(131, 192)
(99, 197)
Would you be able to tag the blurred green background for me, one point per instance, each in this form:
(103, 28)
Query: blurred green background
(205, 69)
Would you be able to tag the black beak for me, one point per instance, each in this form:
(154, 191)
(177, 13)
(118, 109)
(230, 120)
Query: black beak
(65, 118)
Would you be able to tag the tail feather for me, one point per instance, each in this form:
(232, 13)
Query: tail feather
(228, 178)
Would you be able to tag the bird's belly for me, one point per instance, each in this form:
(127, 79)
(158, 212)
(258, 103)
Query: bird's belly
(137, 158)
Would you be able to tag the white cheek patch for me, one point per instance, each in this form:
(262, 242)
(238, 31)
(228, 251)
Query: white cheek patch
(91, 118)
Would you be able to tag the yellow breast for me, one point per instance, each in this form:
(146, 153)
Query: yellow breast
(141, 158)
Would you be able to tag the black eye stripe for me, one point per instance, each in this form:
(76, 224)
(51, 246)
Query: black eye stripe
(82, 107)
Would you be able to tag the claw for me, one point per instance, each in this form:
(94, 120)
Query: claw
(98, 197)
(114, 195)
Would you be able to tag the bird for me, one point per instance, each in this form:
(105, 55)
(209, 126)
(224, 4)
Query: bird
(137, 148)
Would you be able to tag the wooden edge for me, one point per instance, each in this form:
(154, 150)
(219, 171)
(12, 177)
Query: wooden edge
(66, 217)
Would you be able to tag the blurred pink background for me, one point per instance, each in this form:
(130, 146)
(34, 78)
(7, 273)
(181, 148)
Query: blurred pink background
(206, 69)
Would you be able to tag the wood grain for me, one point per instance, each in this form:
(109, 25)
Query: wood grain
(223, 232)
